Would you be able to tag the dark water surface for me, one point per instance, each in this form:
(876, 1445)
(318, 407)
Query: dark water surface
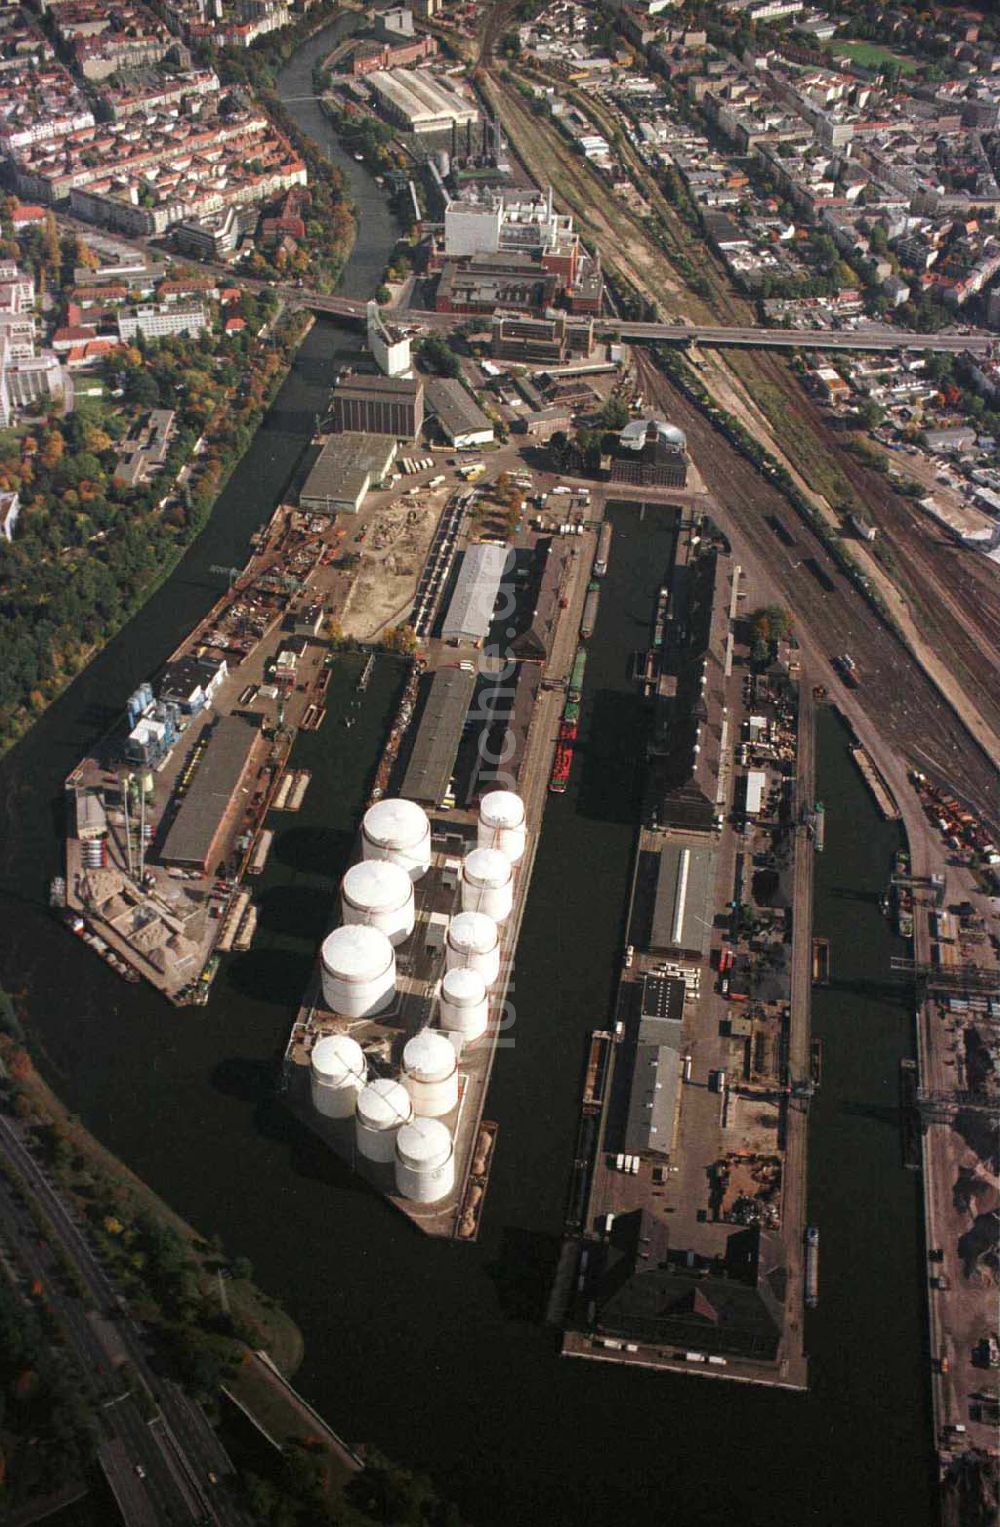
(438, 1354)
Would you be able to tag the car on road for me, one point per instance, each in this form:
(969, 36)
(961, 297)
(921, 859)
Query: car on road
(140, 1471)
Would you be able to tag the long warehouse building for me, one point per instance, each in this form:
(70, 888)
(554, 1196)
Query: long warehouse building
(439, 733)
(420, 101)
(214, 804)
(470, 613)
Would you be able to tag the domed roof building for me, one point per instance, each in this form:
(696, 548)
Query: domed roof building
(650, 453)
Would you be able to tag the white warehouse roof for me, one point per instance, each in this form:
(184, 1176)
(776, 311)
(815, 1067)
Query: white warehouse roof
(471, 609)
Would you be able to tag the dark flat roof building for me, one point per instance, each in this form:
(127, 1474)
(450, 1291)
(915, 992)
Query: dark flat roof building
(378, 405)
(214, 803)
(439, 732)
(345, 469)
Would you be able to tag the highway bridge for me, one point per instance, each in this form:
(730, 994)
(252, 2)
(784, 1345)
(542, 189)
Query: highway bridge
(717, 337)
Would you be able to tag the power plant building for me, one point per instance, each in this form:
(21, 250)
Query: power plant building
(470, 613)
(378, 405)
(420, 101)
(213, 805)
(435, 749)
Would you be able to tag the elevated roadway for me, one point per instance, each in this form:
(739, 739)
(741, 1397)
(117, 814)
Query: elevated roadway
(718, 336)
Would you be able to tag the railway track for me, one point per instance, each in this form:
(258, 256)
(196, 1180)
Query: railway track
(895, 693)
(954, 594)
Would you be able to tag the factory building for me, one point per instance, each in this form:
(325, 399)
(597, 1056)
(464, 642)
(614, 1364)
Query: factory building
(347, 467)
(650, 453)
(546, 340)
(419, 101)
(459, 416)
(214, 803)
(484, 282)
(190, 683)
(470, 612)
(390, 347)
(378, 405)
(447, 697)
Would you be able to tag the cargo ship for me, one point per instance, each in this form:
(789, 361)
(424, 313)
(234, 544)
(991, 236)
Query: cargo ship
(812, 1267)
(576, 677)
(603, 550)
(563, 761)
(590, 608)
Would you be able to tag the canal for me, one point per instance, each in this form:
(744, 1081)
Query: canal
(436, 1354)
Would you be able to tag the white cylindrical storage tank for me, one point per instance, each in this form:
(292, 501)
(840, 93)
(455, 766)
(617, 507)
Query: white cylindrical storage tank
(488, 883)
(379, 893)
(383, 1108)
(430, 1073)
(337, 1073)
(358, 971)
(400, 831)
(501, 824)
(425, 1161)
(464, 1007)
(473, 941)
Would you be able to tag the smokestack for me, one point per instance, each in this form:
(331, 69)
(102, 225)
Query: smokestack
(454, 139)
(484, 150)
(468, 139)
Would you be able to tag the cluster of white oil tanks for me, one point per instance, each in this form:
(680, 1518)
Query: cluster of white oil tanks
(399, 1121)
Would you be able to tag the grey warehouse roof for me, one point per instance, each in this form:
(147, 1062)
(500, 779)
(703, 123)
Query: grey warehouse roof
(685, 887)
(457, 411)
(344, 468)
(470, 612)
(432, 761)
(652, 1104)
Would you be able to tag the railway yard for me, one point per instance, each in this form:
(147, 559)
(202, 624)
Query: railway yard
(893, 692)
